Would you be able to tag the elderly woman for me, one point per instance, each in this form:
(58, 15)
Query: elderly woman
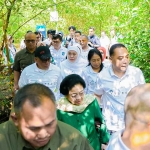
(74, 64)
(81, 111)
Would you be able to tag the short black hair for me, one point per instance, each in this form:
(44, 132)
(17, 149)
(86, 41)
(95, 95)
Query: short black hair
(28, 31)
(37, 33)
(78, 32)
(51, 31)
(114, 46)
(72, 27)
(32, 93)
(57, 36)
(90, 55)
(69, 82)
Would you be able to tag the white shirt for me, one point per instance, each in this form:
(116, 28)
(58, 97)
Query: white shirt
(84, 54)
(47, 41)
(89, 77)
(58, 55)
(116, 142)
(50, 78)
(114, 91)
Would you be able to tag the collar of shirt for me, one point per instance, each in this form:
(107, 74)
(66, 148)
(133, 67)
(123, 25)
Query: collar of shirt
(91, 70)
(113, 74)
(27, 51)
(42, 71)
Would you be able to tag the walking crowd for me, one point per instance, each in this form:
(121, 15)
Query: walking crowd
(77, 92)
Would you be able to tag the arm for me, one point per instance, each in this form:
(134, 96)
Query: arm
(16, 80)
(102, 130)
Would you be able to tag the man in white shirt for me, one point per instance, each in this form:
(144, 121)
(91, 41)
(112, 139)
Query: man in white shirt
(42, 71)
(85, 47)
(114, 83)
(50, 33)
(57, 50)
(136, 135)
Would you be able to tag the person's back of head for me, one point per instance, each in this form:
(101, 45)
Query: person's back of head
(137, 117)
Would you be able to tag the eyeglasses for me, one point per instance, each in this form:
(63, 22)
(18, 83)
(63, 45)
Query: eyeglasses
(28, 41)
(75, 95)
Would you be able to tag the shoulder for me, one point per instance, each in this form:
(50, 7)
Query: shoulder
(54, 67)
(7, 128)
(30, 67)
(68, 131)
(133, 68)
(22, 51)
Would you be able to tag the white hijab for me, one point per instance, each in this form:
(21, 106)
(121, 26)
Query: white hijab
(76, 67)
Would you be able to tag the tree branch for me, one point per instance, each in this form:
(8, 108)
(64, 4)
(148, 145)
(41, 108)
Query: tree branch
(36, 16)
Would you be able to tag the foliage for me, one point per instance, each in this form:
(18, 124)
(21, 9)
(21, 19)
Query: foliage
(135, 21)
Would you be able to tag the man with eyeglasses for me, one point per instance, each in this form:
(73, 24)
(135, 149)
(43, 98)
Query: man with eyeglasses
(57, 50)
(136, 135)
(24, 57)
(42, 71)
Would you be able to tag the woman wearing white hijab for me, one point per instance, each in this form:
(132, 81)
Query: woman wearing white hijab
(74, 64)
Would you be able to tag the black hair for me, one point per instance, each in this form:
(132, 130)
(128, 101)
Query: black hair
(69, 82)
(57, 36)
(32, 93)
(28, 31)
(72, 27)
(51, 31)
(78, 32)
(113, 47)
(90, 55)
(37, 33)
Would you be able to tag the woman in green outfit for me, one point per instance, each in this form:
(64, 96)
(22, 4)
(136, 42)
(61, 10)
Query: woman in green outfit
(81, 111)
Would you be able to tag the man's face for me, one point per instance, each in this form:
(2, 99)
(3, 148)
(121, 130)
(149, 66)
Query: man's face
(83, 42)
(30, 41)
(120, 59)
(77, 37)
(56, 43)
(37, 125)
(42, 64)
(91, 32)
(72, 32)
(38, 38)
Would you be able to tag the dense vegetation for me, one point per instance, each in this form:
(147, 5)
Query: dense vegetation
(130, 18)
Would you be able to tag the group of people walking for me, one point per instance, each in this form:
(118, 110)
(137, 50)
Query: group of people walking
(85, 90)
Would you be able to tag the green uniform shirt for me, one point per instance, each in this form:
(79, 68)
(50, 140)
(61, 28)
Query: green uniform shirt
(85, 123)
(64, 138)
(23, 59)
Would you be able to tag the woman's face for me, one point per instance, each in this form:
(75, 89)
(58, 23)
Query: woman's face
(76, 95)
(72, 55)
(95, 61)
